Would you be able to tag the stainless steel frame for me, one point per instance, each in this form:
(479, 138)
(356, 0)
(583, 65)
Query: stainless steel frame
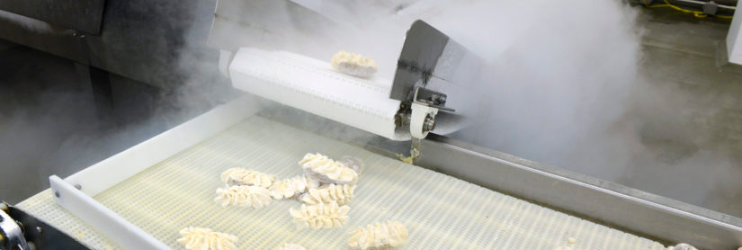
(37, 234)
(11, 234)
(158, 42)
(82, 15)
(621, 207)
(631, 210)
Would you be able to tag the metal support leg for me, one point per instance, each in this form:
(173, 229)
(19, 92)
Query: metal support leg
(99, 86)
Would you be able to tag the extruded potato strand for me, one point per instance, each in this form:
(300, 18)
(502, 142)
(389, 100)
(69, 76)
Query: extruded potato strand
(243, 196)
(379, 235)
(341, 194)
(241, 176)
(326, 170)
(198, 238)
(290, 187)
(323, 215)
(353, 64)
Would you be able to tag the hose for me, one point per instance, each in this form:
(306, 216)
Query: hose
(696, 13)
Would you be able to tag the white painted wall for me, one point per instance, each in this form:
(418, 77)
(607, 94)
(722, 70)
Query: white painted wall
(734, 41)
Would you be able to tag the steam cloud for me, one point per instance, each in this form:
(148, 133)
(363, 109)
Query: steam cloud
(565, 88)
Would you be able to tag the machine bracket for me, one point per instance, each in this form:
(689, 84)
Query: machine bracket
(431, 98)
(11, 233)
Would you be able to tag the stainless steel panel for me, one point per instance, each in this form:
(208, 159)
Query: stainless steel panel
(55, 40)
(422, 49)
(430, 60)
(278, 25)
(158, 42)
(42, 235)
(82, 15)
(11, 233)
(601, 201)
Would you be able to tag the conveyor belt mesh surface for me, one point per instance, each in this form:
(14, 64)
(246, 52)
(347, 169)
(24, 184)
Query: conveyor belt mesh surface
(440, 212)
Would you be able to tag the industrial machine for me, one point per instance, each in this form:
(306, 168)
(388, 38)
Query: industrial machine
(423, 86)
(474, 198)
(434, 73)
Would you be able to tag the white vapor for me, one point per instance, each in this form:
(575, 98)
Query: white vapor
(564, 87)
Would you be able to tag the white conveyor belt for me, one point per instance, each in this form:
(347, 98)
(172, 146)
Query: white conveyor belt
(441, 212)
(314, 86)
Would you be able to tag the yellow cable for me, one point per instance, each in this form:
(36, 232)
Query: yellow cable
(653, 6)
(658, 6)
(699, 14)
